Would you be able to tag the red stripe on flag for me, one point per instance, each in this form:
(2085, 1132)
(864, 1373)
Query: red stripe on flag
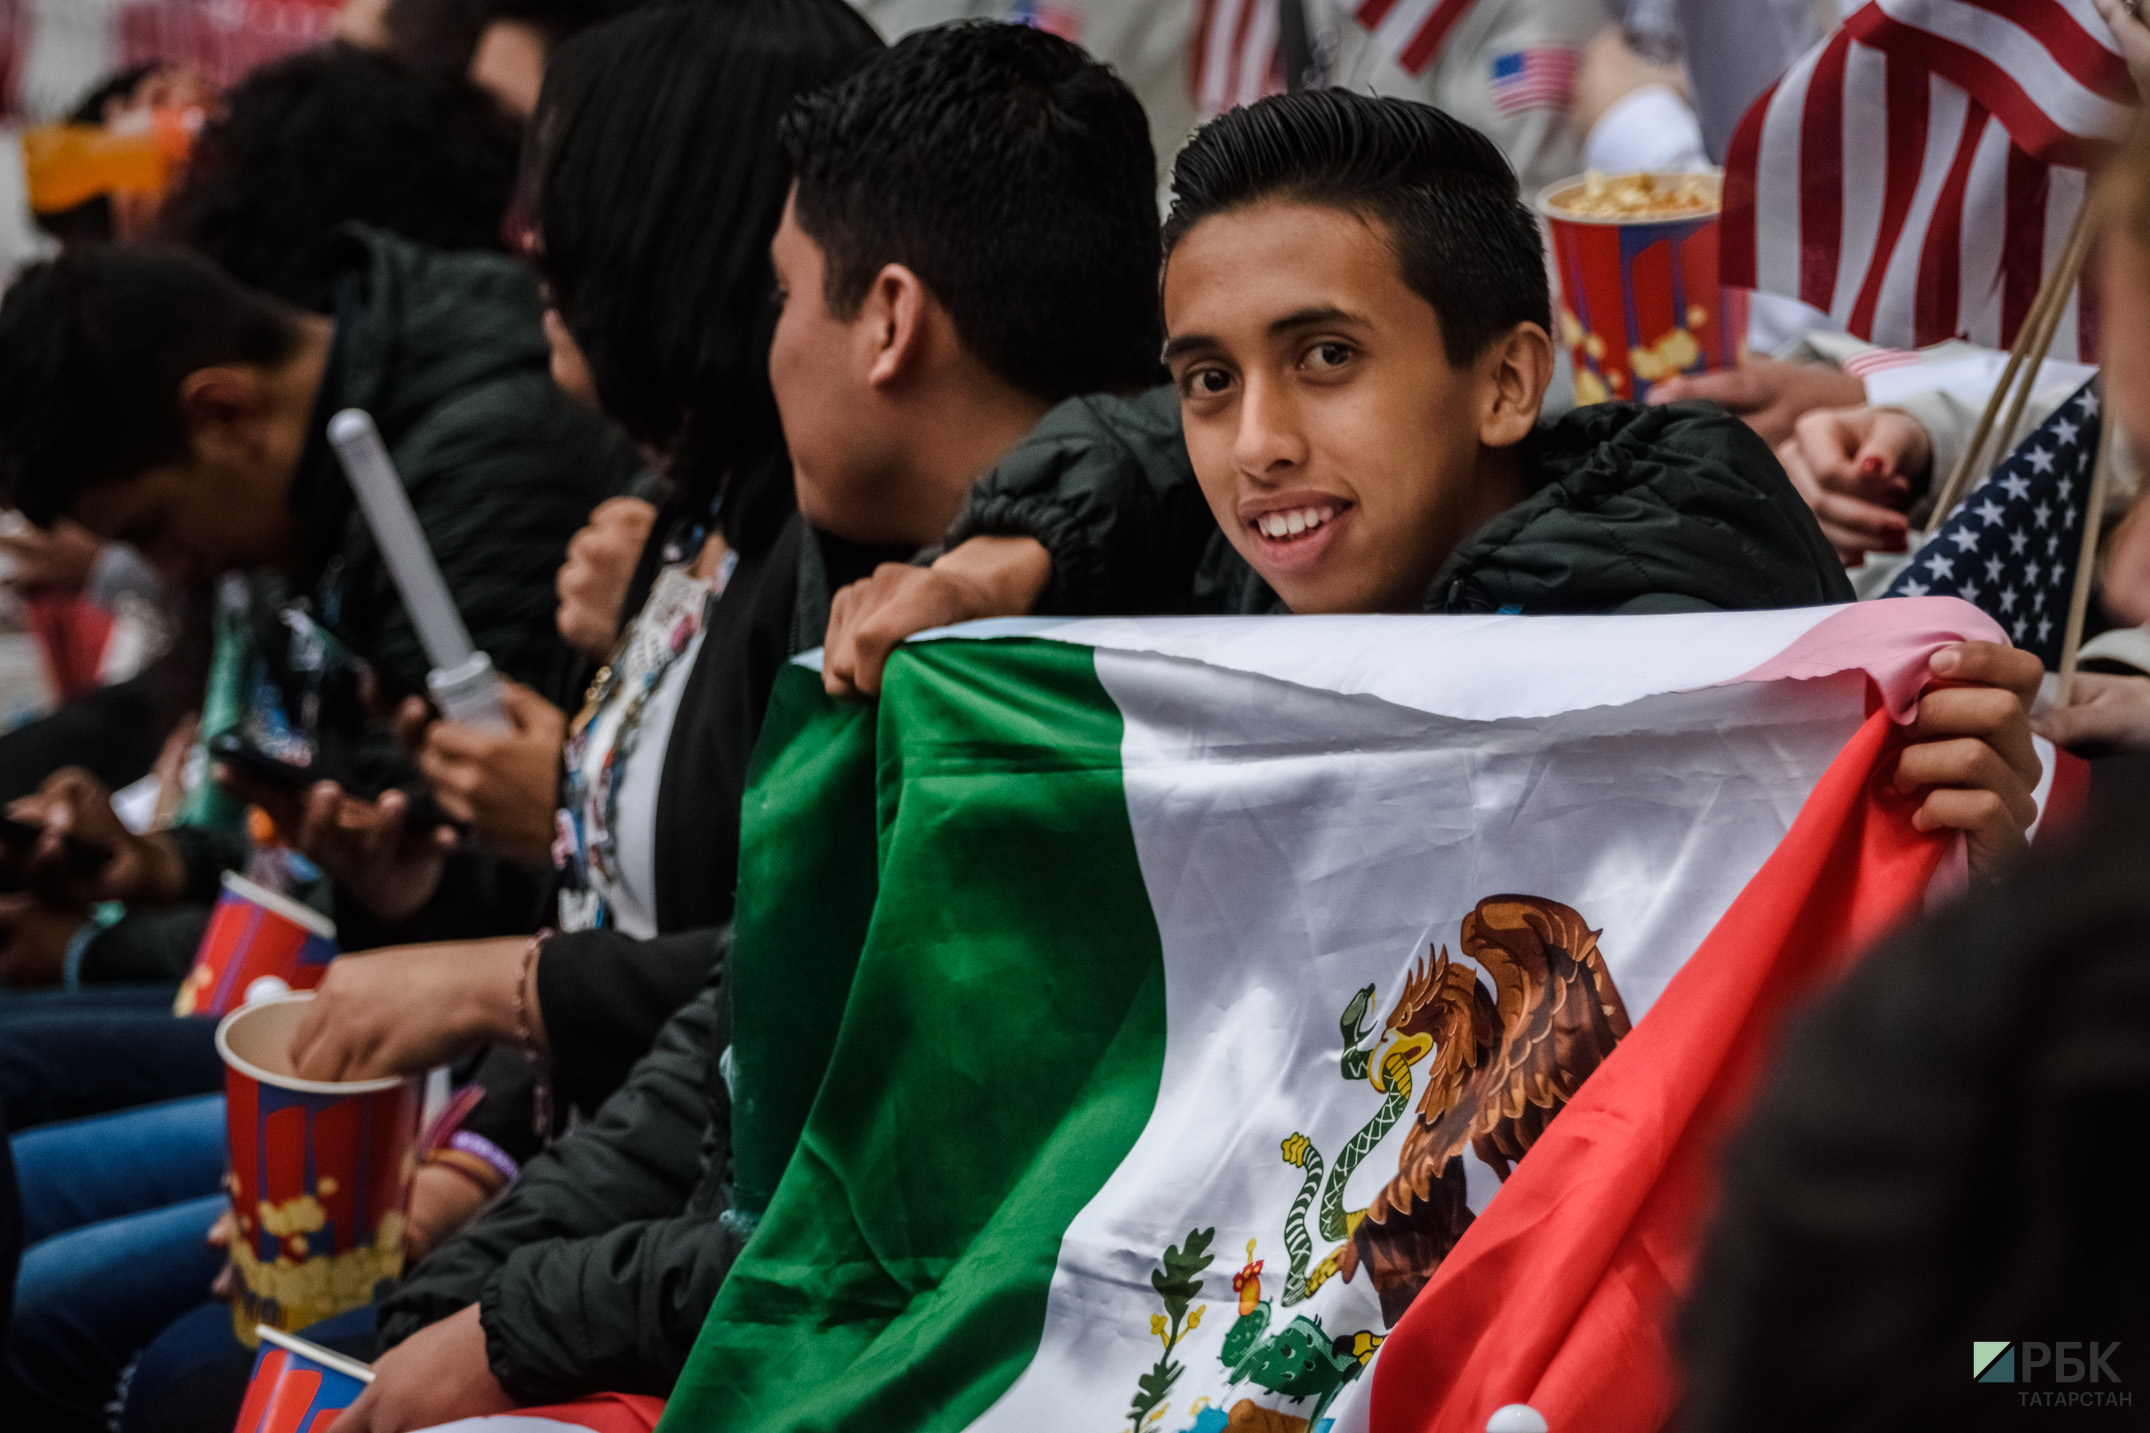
(1372, 12)
(1198, 48)
(1821, 176)
(1423, 46)
(2023, 251)
(1937, 309)
(1909, 103)
(1741, 258)
(1559, 1295)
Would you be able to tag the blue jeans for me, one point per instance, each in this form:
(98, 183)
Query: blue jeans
(68, 1054)
(114, 1212)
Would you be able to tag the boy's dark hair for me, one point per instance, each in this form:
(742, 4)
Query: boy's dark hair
(1463, 238)
(93, 347)
(1013, 174)
(338, 134)
(656, 185)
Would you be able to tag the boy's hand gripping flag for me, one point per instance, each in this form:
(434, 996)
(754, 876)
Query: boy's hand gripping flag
(1214, 987)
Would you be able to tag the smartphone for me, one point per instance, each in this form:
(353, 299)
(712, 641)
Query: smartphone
(84, 857)
(422, 813)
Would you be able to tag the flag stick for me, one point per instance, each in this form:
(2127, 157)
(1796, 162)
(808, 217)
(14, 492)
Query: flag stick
(2101, 479)
(2033, 340)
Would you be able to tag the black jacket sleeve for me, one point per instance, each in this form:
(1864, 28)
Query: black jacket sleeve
(1104, 483)
(605, 997)
(589, 1269)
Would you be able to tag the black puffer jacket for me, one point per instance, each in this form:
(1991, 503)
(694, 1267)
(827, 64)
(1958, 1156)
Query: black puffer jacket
(1632, 509)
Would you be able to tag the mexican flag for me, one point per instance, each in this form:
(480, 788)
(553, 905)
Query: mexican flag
(1161, 1024)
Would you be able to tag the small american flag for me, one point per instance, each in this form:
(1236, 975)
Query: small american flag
(1411, 31)
(1542, 78)
(1233, 59)
(2012, 546)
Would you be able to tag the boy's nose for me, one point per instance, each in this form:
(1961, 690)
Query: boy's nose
(1269, 444)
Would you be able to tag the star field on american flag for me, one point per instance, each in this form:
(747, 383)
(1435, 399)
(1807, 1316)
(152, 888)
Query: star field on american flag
(2011, 547)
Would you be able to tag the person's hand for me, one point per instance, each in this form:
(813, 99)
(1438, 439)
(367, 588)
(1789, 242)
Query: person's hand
(407, 1008)
(2106, 713)
(58, 558)
(365, 846)
(600, 564)
(1858, 468)
(143, 869)
(984, 577)
(1767, 394)
(1971, 751)
(435, 1376)
(2132, 34)
(34, 936)
(1611, 72)
(504, 785)
(442, 1202)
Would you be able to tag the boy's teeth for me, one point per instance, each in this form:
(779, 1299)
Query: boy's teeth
(1291, 524)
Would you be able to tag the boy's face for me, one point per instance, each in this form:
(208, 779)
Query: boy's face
(817, 368)
(1338, 447)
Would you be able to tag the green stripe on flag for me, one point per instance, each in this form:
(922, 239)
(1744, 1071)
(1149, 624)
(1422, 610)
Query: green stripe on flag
(999, 1054)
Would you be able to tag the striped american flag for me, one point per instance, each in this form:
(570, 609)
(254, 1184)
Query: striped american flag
(1411, 31)
(1916, 174)
(1234, 60)
(1539, 78)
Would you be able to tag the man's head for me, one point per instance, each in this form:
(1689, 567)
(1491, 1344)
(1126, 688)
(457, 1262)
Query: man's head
(972, 237)
(1357, 312)
(149, 397)
(337, 134)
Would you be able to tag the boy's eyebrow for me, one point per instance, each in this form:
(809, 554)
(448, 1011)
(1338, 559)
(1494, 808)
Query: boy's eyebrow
(1309, 317)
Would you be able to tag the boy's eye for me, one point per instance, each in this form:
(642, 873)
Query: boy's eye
(1330, 354)
(1205, 382)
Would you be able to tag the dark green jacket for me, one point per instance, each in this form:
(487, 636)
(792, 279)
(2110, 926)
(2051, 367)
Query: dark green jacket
(1632, 509)
(595, 1270)
(448, 353)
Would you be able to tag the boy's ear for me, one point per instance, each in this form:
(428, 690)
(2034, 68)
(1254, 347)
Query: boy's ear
(225, 410)
(1518, 368)
(895, 318)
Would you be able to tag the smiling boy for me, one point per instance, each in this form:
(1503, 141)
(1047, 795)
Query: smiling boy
(1357, 319)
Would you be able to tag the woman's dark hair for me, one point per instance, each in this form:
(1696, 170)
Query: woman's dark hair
(1014, 175)
(556, 20)
(338, 134)
(1447, 197)
(434, 37)
(656, 185)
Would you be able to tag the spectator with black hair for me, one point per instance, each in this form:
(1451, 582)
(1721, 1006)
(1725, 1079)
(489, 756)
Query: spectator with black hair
(1358, 318)
(334, 135)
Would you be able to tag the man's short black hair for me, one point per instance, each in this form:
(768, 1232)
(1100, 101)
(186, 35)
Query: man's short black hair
(337, 134)
(1447, 197)
(93, 347)
(1013, 174)
(557, 20)
(656, 185)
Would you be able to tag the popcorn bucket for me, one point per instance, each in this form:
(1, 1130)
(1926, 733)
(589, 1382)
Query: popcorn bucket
(1639, 297)
(297, 1387)
(319, 1175)
(259, 943)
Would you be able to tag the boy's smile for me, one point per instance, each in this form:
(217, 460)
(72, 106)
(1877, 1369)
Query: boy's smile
(1342, 453)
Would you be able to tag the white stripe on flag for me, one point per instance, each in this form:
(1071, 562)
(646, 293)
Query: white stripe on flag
(1896, 308)
(1985, 238)
(1866, 172)
(2064, 196)
(1777, 226)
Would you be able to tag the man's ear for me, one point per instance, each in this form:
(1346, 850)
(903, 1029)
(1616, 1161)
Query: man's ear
(226, 412)
(1517, 368)
(896, 318)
